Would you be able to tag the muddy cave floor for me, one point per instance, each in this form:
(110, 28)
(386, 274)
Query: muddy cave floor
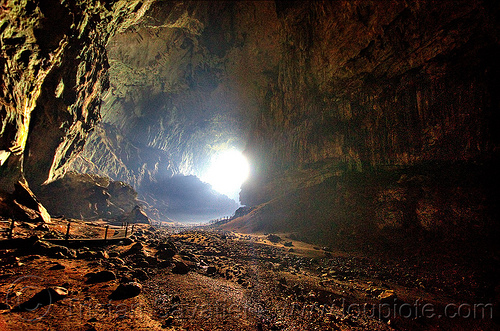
(205, 279)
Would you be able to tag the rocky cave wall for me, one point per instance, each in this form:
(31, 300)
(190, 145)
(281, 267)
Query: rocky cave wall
(185, 83)
(53, 65)
(380, 122)
(53, 68)
(366, 84)
(356, 115)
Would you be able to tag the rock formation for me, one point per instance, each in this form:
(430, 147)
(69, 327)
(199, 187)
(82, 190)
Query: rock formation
(359, 117)
(53, 68)
(381, 117)
(185, 83)
(84, 196)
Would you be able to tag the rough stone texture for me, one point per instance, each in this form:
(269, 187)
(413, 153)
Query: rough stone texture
(340, 101)
(357, 116)
(182, 88)
(22, 205)
(53, 70)
(363, 84)
(89, 197)
(136, 215)
(125, 291)
(379, 125)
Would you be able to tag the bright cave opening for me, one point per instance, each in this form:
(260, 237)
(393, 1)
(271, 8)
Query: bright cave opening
(226, 172)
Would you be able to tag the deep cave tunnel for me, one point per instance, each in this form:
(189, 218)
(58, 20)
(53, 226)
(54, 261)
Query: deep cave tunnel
(363, 126)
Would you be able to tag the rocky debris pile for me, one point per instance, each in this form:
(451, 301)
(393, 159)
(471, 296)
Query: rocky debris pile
(273, 238)
(100, 277)
(268, 276)
(22, 205)
(91, 196)
(137, 215)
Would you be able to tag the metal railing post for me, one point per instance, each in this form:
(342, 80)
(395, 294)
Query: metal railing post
(11, 229)
(67, 231)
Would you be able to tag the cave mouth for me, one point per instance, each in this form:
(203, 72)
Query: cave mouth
(227, 171)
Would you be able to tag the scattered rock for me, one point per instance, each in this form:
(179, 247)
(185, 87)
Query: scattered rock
(90, 327)
(52, 235)
(274, 238)
(28, 226)
(92, 255)
(4, 306)
(125, 291)
(140, 274)
(211, 270)
(100, 277)
(42, 227)
(168, 321)
(135, 249)
(180, 268)
(52, 250)
(116, 261)
(44, 297)
(57, 266)
(126, 241)
(166, 251)
(388, 296)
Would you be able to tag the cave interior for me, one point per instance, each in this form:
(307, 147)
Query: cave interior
(363, 126)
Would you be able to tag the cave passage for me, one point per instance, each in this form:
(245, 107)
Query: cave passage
(341, 155)
(226, 172)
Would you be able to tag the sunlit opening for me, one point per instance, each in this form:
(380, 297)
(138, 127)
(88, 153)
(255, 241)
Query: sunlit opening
(227, 171)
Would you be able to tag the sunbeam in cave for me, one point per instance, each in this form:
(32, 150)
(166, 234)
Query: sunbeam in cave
(226, 172)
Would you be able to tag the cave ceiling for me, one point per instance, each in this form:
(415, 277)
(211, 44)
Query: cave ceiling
(144, 91)
(184, 85)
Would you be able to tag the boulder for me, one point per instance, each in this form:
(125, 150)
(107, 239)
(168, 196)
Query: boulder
(45, 297)
(125, 291)
(52, 250)
(274, 238)
(180, 268)
(140, 274)
(388, 296)
(57, 266)
(166, 251)
(211, 270)
(137, 248)
(100, 277)
(137, 215)
(22, 205)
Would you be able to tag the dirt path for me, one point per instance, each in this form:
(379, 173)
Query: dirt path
(227, 281)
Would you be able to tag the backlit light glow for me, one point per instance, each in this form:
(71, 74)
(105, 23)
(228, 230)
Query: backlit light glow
(227, 171)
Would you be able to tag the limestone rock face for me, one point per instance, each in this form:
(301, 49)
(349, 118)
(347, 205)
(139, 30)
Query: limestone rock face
(22, 205)
(88, 197)
(185, 83)
(359, 115)
(366, 93)
(370, 83)
(318, 93)
(53, 70)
